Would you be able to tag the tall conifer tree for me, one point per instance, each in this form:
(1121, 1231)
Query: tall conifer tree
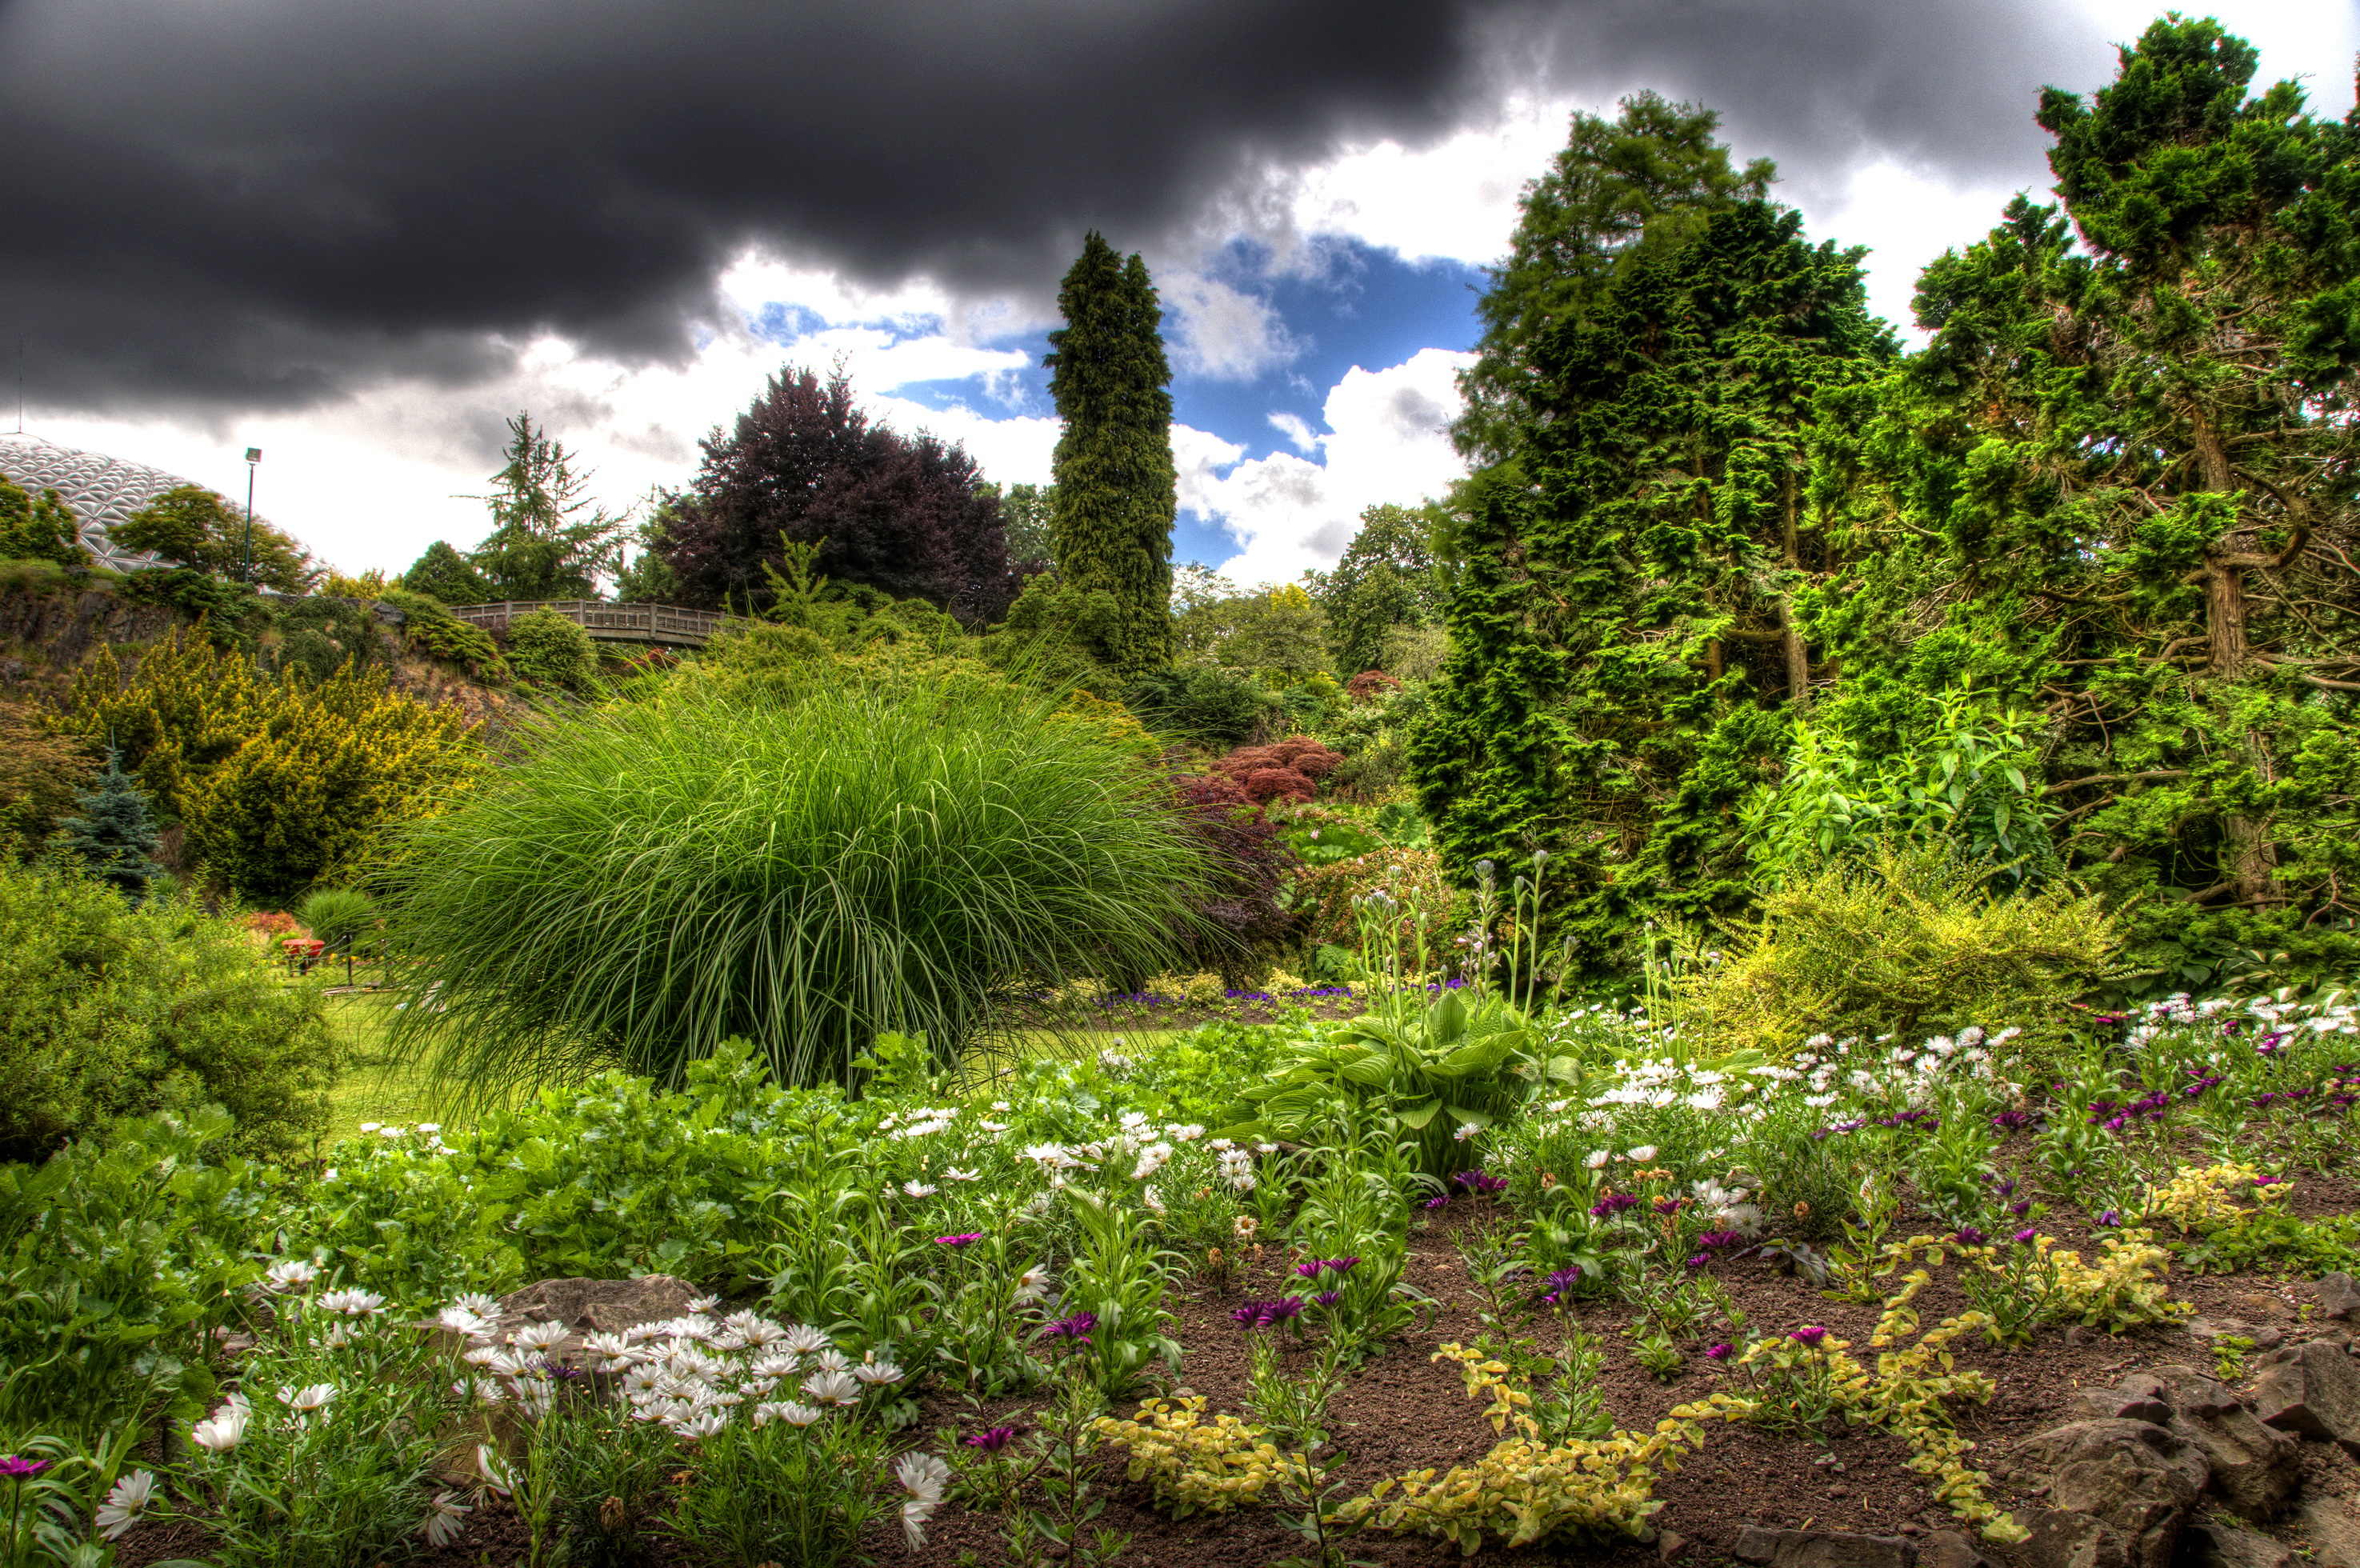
(1116, 490)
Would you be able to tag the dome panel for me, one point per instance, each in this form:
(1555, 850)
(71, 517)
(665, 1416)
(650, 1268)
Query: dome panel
(102, 491)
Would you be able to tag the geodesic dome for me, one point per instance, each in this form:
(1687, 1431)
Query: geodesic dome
(100, 490)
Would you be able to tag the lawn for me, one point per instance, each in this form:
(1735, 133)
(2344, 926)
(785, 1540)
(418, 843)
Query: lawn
(377, 1085)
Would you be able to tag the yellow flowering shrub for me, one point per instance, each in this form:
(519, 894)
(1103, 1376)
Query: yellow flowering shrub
(2195, 1196)
(1203, 989)
(1196, 1464)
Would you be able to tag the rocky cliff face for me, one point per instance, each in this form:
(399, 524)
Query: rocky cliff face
(57, 629)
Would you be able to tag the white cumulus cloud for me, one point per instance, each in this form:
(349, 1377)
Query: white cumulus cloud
(1387, 439)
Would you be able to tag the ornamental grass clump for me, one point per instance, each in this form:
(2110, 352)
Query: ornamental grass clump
(806, 869)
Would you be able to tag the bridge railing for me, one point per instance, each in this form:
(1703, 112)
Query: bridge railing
(668, 623)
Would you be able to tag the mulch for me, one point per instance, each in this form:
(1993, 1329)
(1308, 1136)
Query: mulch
(1402, 1410)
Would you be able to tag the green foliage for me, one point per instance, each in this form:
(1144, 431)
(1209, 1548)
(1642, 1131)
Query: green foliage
(1618, 190)
(1278, 634)
(1028, 513)
(432, 629)
(118, 1258)
(1116, 489)
(42, 774)
(1205, 703)
(340, 917)
(444, 574)
(548, 540)
(804, 869)
(1055, 635)
(1384, 582)
(107, 1010)
(39, 528)
(317, 636)
(1623, 621)
(548, 649)
(198, 528)
(112, 840)
(1426, 1071)
(1907, 939)
(277, 783)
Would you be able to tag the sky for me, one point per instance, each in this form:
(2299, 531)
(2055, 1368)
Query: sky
(362, 238)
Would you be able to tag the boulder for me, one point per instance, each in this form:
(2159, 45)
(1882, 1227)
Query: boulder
(2255, 1468)
(1822, 1548)
(2209, 1543)
(2338, 1298)
(2315, 1392)
(2118, 1493)
(2265, 1337)
(592, 1306)
(1949, 1549)
(2333, 1531)
(2139, 1396)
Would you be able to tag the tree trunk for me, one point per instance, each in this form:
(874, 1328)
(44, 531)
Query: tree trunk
(2249, 857)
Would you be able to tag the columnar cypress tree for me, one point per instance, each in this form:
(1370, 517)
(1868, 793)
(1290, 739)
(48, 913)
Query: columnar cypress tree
(113, 837)
(1116, 490)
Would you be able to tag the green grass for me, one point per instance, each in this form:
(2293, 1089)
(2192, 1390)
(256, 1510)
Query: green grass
(378, 1086)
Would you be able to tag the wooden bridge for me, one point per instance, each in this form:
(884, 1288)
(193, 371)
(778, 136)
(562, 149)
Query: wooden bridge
(667, 626)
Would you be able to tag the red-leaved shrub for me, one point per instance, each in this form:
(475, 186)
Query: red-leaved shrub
(1251, 861)
(1268, 784)
(1369, 685)
(1317, 765)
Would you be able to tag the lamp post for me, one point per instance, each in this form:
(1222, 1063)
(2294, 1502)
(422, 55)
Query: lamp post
(245, 566)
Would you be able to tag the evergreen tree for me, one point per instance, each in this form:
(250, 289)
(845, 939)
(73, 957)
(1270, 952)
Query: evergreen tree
(548, 540)
(114, 838)
(444, 572)
(1620, 187)
(1624, 627)
(2117, 490)
(1116, 485)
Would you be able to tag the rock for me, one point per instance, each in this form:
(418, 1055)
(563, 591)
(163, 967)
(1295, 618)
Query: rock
(2135, 1398)
(2255, 1468)
(2209, 1543)
(2315, 1392)
(593, 1306)
(2338, 1298)
(1670, 1544)
(2118, 1493)
(2260, 1304)
(1949, 1549)
(2265, 1336)
(2335, 1532)
(2148, 1445)
(1822, 1548)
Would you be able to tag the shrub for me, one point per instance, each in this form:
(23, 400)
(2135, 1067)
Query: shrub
(39, 773)
(1369, 685)
(1203, 702)
(1268, 784)
(337, 915)
(277, 783)
(546, 647)
(429, 627)
(1251, 862)
(1420, 887)
(1908, 940)
(804, 870)
(107, 1010)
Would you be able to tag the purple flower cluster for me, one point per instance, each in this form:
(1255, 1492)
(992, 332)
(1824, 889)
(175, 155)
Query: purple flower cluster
(969, 1239)
(1075, 1330)
(1267, 1314)
(1311, 1268)
(1476, 1181)
(2008, 1121)
(1808, 1336)
(1612, 1203)
(1968, 1236)
(1911, 1121)
(1561, 1284)
(1840, 1129)
(16, 1468)
(1719, 1240)
(991, 1440)
(1721, 1352)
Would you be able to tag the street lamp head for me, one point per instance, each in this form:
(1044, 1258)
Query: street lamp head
(254, 454)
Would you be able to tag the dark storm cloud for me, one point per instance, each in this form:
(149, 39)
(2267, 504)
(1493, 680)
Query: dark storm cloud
(265, 203)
